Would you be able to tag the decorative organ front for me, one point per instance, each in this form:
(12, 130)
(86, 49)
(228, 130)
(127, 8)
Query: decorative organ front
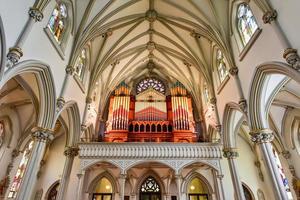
(149, 114)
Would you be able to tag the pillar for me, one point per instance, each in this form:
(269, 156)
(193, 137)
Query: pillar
(122, 180)
(231, 154)
(70, 153)
(80, 177)
(290, 55)
(15, 52)
(242, 102)
(178, 179)
(218, 184)
(218, 127)
(262, 138)
(41, 137)
(69, 73)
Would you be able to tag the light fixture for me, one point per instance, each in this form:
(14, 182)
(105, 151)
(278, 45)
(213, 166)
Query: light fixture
(107, 187)
(192, 187)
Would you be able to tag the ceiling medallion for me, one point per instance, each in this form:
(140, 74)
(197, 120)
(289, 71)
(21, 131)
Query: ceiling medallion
(151, 15)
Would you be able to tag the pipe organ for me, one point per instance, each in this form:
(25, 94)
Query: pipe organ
(150, 114)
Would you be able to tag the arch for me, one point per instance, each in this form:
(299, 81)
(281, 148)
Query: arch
(248, 192)
(46, 87)
(150, 173)
(74, 131)
(268, 79)
(232, 120)
(95, 181)
(290, 128)
(2, 49)
(190, 176)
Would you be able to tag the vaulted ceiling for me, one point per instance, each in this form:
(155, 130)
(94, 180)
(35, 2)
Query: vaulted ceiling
(171, 39)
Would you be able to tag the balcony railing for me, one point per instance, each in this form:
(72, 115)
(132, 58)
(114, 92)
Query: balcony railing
(150, 150)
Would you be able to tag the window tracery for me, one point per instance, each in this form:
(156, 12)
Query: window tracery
(150, 83)
(246, 22)
(20, 172)
(58, 21)
(80, 64)
(150, 185)
(221, 66)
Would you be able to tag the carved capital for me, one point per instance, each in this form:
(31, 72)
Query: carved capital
(234, 71)
(70, 70)
(83, 127)
(292, 58)
(230, 153)
(88, 100)
(14, 54)
(286, 154)
(35, 14)
(262, 136)
(213, 100)
(243, 105)
(42, 134)
(71, 151)
(60, 102)
(269, 16)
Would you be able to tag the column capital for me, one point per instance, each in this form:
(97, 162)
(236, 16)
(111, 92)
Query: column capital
(42, 134)
(123, 176)
(70, 70)
(292, 58)
(71, 151)
(262, 136)
(14, 54)
(88, 100)
(243, 105)
(35, 14)
(83, 127)
(60, 102)
(269, 16)
(230, 153)
(286, 154)
(218, 128)
(213, 100)
(234, 71)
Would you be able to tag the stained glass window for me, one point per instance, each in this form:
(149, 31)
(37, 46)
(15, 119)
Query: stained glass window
(52, 195)
(2, 133)
(57, 22)
(246, 22)
(150, 185)
(150, 83)
(222, 70)
(20, 172)
(80, 64)
(282, 175)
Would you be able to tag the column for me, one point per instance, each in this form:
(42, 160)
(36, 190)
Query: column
(122, 179)
(83, 125)
(41, 138)
(70, 153)
(242, 102)
(15, 52)
(80, 177)
(231, 154)
(218, 184)
(290, 55)
(213, 102)
(69, 73)
(178, 179)
(263, 138)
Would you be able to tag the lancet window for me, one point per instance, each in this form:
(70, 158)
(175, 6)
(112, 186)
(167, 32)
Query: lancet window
(58, 22)
(246, 23)
(80, 65)
(20, 172)
(221, 66)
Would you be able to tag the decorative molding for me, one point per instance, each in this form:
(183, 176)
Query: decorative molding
(248, 46)
(57, 47)
(243, 105)
(262, 136)
(222, 84)
(292, 58)
(35, 14)
(70, 70)
(234, 71)
(269, 16)
(42, 134)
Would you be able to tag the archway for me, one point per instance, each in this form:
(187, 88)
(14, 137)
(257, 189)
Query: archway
(197, 190)
(150, 189)
(103, 190)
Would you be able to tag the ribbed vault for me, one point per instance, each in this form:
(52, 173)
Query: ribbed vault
(171, 39)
